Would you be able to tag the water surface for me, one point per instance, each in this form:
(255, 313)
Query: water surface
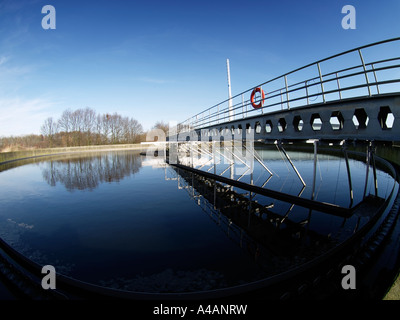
(126, 221)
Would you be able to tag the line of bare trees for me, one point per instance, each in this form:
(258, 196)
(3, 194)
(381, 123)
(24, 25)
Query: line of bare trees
(84, 127)
(81, 127)
(13, 143)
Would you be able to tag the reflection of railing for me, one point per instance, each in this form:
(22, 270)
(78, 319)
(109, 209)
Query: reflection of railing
(311, 86)
(254, 227)
(203, 162)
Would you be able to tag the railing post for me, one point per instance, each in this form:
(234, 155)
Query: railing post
(374, 171)
(287, 93)
(322, 85)
(305, 83)
(338, 85)
(242, 106)
(349, 177)
(365, 71)
(376, 79)
(367, 172)
(315, 169)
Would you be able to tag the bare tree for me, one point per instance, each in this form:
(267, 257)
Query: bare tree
(77, 127)
(98, 128)
(162, 125)
(65, 125)
(135, 130)
(89, 118)
(80, 127)
(49, 129)
(106, 126)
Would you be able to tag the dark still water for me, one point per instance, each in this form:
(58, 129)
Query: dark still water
(123, 220)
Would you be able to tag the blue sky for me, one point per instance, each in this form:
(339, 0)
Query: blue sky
(163, 60)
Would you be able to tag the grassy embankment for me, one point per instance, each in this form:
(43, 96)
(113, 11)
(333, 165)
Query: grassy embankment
(25, 154)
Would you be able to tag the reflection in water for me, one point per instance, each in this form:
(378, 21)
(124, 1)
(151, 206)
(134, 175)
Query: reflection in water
(275, 242)
(280, 236)
(89, 172)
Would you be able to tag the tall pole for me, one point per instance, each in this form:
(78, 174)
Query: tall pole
(315, 170)
(229, 91)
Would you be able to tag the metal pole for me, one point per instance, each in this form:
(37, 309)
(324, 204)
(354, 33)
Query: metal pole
(374, 171)
(242, 105)
(349, 177)
(232, 172)
(338, 84)
(292, 206)
(294, 167)
(259, 160)
(193, 185)
(365, 71)
(367, 173)
(320, 79)
(376, 79)
(308, 101)
(229, 91)
(287, 93)
(191, 154)
(315, 171)
(215, 158)
(250, 198)
(215, 196)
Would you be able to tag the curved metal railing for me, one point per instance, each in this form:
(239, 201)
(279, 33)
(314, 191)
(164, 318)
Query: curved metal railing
(311, 86)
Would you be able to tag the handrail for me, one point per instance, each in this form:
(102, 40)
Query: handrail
(289, 94)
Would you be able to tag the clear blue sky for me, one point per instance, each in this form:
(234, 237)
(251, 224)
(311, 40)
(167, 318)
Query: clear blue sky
(163, 60)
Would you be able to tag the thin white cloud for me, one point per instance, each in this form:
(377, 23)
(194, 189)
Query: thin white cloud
(23, 116)
(11, 73)
(13, 77)
(3, 60)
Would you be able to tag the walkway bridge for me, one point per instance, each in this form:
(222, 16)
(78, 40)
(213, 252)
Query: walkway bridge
(343, 98)
(351, 97)
(354, 95)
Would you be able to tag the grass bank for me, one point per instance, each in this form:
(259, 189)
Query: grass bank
(25, 154)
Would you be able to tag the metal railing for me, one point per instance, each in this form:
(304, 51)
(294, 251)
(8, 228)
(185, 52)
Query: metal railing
(350, 82)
